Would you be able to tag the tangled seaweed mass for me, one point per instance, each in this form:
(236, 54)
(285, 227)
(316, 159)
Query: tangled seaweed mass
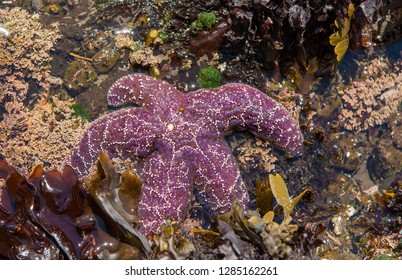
(47, 204)
(179, 142)
(49, 216)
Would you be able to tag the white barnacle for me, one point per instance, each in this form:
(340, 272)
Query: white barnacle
(170, 127)
(4, 31)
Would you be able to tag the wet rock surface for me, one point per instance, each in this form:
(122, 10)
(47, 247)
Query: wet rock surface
(349, 151)
(105, 59)
(79, 75)
(385, 161)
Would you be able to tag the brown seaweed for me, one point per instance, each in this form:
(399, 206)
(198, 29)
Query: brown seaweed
(50, 216)
(208, 42)
(38, 214)
(116, 195)
(278, 29)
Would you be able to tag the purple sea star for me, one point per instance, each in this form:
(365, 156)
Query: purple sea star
(179, 141)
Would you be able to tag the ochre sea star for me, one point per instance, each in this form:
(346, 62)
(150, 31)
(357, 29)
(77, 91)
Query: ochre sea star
(178, 139)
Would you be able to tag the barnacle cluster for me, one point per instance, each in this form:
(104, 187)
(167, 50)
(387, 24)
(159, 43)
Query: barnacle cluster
(43, 135)
(25, 54)
(372, 100)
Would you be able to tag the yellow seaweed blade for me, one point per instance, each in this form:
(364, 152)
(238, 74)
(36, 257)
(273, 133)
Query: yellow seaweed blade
(341, 48)
(263, 195)
(279, 189)
(280, 192)
(268, 217)
(389, 193)
(105, 161)
(351, 10)
(346, 28)
(205, 231)
(337, 24)
(297, 198)
(335, 38)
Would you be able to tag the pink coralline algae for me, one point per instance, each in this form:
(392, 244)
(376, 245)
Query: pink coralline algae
(178, 140)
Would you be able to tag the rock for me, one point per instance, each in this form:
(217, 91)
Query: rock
(348, 152)
(385, 161)
(105, 59)
(395, 123)
(94, 42)
(79, 75)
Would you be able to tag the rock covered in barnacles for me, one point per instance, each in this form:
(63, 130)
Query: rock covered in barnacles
(179, 142)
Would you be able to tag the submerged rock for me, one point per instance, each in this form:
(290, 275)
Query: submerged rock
(79, 75)
(94, 42)
(385, 161)
(395, 123)
(348, 152)
(105, 59)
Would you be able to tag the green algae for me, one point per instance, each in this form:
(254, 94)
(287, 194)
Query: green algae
(81, 112)
(205, 20)
(209, 77)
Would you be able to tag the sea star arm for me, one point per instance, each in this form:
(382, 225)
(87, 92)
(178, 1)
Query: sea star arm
(125, 133)
(218, 181)
(144, 91)
(166, 190)
(241, 107)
